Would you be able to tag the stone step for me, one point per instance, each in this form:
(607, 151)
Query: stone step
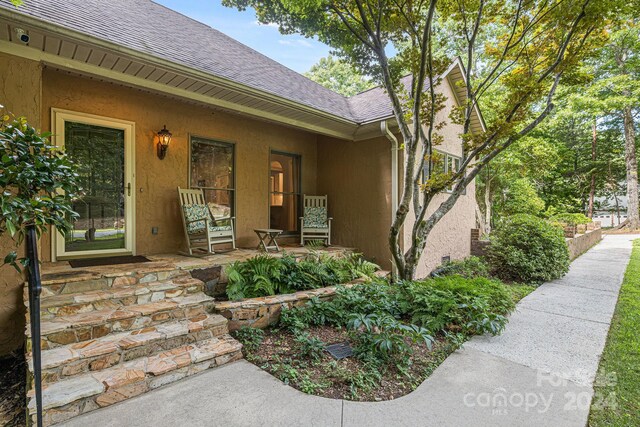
(115, 349)
(73, 281)
(117, 296)
(68, 398)
(74, 328)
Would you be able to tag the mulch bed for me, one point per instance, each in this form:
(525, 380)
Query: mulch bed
(12, 390)
(279, 354)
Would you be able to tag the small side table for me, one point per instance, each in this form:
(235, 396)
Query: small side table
(268, 233)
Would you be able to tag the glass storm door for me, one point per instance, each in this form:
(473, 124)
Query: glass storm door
(284, 192)
(101, 150)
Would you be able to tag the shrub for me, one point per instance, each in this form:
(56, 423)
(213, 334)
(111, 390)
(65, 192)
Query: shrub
(456, 304)
(527, 249)
(255, 277)
(38, 183)
(469, 267)
(265, 275)
(571, 218)
(382, 318)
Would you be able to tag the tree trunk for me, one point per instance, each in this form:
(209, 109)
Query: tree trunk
(592, 187)
(487, 207)
(633, 215)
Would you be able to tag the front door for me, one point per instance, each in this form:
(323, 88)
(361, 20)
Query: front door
(102, 149)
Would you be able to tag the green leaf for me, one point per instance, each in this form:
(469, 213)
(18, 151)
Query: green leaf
(10, 227)
(10, 258)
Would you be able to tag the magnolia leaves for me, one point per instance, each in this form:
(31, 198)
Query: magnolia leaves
(37, 184)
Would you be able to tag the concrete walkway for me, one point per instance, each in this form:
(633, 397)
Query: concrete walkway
(539, 372)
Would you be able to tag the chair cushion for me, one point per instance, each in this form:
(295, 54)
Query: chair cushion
(220, 228)
(193, 212)
(315, 217)
(218, 210)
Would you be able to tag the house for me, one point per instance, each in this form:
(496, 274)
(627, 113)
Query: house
(611, 211)
(106, 77)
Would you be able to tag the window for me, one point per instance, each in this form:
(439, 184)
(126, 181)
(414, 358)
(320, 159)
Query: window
(450, 163)
(212, 169)
(284, 192)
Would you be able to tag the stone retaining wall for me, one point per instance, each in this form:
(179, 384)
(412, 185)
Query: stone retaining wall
(581, 243)
(264, 311)
(579, 238)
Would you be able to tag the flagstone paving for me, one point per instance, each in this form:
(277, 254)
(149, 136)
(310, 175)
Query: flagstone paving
(109, 333)
(539, 372)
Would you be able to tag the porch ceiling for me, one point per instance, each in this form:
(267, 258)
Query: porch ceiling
(66, 50)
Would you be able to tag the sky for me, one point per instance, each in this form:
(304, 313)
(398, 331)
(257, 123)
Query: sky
(293, 51)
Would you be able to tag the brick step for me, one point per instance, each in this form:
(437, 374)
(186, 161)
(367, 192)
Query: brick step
(75, 328)
(73, 281)
(68, 398)
(116, 297)
(115, 349)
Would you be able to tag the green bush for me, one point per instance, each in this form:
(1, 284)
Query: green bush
(528, 249)
(469, 267)
(382, 318)
(571, 218)
(38, 183)
(265, 275)
(470, 306)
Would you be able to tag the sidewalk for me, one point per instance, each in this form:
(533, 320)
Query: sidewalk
(539, 372)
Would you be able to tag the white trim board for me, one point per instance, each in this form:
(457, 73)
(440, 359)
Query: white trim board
(58, 118)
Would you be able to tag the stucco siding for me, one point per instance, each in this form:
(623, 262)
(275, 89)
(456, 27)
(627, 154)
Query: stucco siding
(20, 93)
(356, 176)
(450, 237)
(156, 180)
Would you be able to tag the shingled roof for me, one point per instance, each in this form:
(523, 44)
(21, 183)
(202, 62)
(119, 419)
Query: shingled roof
(155, 30)
(158, 32)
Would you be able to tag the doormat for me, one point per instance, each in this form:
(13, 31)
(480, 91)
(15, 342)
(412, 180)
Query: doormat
(113, 260)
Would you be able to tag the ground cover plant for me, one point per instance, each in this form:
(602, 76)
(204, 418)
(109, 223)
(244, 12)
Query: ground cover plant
(470, 267)
(616, 400)
(265, 275)
(399, 334)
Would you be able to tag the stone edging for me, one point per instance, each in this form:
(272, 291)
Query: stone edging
(264, 311)
(581, 243)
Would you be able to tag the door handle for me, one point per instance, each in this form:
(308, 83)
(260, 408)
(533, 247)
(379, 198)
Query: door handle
(129, 189)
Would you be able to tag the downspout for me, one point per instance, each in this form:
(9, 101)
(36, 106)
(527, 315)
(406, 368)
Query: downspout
(384, 127)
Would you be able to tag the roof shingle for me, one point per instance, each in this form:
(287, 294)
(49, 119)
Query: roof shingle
(155, 30)
(152, 29)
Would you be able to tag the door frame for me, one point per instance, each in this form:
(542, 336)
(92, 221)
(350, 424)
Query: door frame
(58, 118)
(300, 193)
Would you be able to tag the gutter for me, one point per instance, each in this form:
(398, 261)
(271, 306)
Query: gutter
(384, 128)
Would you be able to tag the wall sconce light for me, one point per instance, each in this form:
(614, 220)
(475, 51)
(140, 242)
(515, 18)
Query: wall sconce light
(164, 138)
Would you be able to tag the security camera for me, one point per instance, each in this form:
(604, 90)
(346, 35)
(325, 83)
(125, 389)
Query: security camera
(22, 35)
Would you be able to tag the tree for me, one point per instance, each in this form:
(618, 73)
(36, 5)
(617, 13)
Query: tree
(527, 49)
(338, 76)
(37, 184)
(618, 91)
(532, 160)
(522, 198)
